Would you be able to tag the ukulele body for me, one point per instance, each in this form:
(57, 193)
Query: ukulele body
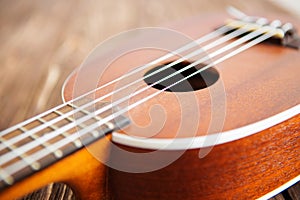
(260, 83)
(256, 151)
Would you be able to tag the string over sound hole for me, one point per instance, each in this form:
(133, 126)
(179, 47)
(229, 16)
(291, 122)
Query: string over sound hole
(157, 79)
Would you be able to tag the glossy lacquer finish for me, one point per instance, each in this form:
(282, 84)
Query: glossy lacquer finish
(256, 85)
(259, 83)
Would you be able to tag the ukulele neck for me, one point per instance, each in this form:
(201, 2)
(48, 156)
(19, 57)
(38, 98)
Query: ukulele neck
(49, 137)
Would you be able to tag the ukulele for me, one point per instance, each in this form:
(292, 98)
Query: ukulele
(211, 112)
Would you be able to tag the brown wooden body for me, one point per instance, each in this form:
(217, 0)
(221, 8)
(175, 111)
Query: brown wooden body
(243, 169)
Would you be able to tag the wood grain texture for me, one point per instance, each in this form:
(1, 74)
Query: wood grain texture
(242, 169)
(43, 41)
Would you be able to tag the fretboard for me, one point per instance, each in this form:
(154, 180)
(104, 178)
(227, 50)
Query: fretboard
(43, 140)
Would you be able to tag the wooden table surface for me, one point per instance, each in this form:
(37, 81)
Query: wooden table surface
(42, 41)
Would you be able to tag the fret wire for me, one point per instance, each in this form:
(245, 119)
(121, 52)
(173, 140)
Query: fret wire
(23, 129)
(77, 143)
(38, 128)
(34, 164)
(56, 152)
(33, 144)
(81, 125)
(65, 134)
(96, 117)
(3, 141)
(15, 167)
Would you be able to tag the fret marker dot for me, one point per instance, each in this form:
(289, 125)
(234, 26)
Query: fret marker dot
(95, 134)
(9, 180)
(110, 125)
(58, 153)
(78, 143)
(36, 166)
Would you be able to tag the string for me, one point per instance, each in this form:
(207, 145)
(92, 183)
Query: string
(57, 119)
(199, 41)
(209, 36)
(112, 105)
(33, 144)
(71, 125)
(41, 154)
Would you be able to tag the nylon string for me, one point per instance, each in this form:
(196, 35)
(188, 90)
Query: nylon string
(38, 155)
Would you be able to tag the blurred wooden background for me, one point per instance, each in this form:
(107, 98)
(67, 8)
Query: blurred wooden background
(42, 41)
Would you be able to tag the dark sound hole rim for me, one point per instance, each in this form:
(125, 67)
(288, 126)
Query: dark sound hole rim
(197, 82)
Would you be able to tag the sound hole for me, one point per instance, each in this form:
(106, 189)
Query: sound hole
(199, 81)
